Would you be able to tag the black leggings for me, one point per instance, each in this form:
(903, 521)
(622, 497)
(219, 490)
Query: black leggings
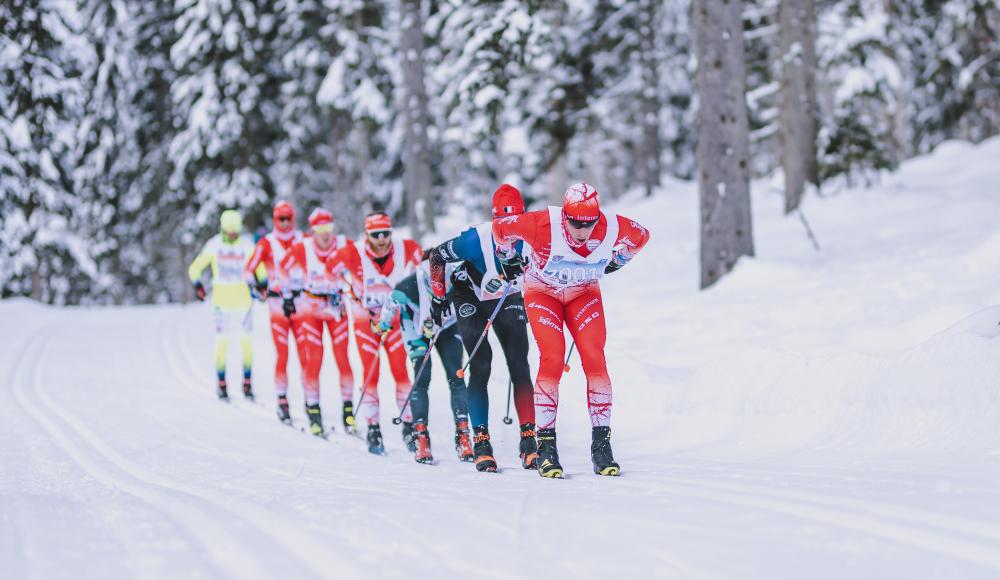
(510, 326)
(449, 348)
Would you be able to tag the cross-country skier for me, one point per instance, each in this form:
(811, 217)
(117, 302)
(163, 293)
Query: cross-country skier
(227, 254)
(270, 250)
(375, 265)
(572, 248)
(412, 298)
(311, 300)
(480, 281)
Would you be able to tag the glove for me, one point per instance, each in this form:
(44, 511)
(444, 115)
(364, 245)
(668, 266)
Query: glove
(335, 300)
(418, 347)
(288, 306)
(428, 329)
(378, 326)
(199, 291)
(512, 267)
(620, 256)
(439, 306)
(256, 293)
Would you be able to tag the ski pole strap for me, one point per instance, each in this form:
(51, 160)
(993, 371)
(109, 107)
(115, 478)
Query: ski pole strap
(489, 323)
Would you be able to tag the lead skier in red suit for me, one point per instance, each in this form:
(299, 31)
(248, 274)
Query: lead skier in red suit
(571, 248)
(312, 301)
(375, 265)
(269, 251)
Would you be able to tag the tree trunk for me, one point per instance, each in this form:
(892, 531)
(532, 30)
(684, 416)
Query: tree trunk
(416, 154)
(649, 158)
(723, 137)
(798, 127)
(810, 66)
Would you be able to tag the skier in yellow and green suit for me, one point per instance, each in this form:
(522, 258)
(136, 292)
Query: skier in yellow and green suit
(227, 253)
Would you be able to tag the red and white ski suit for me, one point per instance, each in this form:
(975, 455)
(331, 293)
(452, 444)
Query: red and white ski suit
(372, 284)
(561, 286)
(269, 251)
(303, 269)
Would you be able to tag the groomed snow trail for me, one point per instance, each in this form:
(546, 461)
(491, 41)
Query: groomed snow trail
(817, 415)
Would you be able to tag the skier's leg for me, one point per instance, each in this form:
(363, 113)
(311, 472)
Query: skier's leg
(311, 331)
(449, 348)
(221, 348)
(419, 403)
(511, 329)
(246, 349)
(471, 321)
(545, 313)
(339, 330)
(586, 311)
(280, 328)
(368, 352)
(396, 353)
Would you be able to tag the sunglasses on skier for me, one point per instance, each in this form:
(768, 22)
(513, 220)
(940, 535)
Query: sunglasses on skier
(581, 225)
(379, 235)
(284, 219)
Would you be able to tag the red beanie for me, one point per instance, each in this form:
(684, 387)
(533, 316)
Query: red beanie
(507, 201)
(377, 222)
(320, 217)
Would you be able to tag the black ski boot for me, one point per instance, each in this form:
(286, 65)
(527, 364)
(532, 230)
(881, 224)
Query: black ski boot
(350, 426)
(548, 456)
(483, 450)
(315, 420)
(283, 415)
(375, 440)
(600, 453)
(408, 437)
(248, 390)
(528, 447)
(221, 391)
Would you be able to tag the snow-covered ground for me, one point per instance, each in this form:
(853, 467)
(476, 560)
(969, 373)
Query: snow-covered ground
(831, 414)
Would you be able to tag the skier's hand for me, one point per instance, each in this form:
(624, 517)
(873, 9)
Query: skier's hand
(428, 328)
(288, 306)
(335, 300)
(439, 306)
(513, 267)
(418, 347)
(379, 327)
(199, 291)
(620, 256)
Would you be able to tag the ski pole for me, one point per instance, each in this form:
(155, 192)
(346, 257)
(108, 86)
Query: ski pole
(460, 373)
(369, 374)
(427, 357)
(566, 366)
(510, 387)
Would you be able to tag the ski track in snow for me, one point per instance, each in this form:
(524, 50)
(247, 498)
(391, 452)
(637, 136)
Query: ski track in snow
(846, 430)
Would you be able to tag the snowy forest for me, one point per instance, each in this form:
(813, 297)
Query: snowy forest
(126, 126)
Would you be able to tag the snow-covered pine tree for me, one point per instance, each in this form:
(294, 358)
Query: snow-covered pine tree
(40, 101)
(723, 137)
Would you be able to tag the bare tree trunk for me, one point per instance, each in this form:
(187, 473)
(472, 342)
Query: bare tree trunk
(416, 154)
(810, 66)
(723, 137)
(798, 128)
(649, 158)
(36, 283)
(558, 179)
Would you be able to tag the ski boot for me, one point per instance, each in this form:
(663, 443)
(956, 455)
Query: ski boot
(221, 391)
(422, 442)
(408, 437)
(315, 420)
(248, 390)
(350, 426)
(528, 447)
(548, 456)
(283, 415)
(463, 443)
(484, 450)
(600, 453)
(375, 440)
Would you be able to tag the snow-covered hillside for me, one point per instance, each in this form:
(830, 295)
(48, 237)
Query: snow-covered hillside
(831, 414)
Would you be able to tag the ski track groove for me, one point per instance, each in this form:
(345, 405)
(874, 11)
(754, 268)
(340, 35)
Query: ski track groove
(305, 549)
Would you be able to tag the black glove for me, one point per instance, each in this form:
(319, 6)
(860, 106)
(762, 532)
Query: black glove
(512, 266)
(199, 291)
(288, 306)
(335, 300)
(262, 289)
(439, 306)
(612, 267)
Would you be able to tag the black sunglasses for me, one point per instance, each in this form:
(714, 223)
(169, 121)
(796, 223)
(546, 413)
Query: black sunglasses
(284, 219)
(380, 234)
(579, 224)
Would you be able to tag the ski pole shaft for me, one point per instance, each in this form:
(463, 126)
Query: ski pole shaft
(566, 364)
(369, 374)
(510, 387)
(461, 372)
(427, 357)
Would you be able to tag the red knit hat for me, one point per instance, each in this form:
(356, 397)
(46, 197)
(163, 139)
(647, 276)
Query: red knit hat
(580, 203)
(378, 222)
(283, 209)
(320, 217)
(507, 201)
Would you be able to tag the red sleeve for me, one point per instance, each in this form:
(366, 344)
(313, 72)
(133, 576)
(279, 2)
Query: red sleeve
(261, 253)
(510, 229)
(296, 254)
(413, 252)
(632, 234)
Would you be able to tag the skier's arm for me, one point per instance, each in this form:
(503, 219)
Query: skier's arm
(508, 230)
(201, 261)
(632, 237)
(256, 270)
(461, 248)
(413, 252)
